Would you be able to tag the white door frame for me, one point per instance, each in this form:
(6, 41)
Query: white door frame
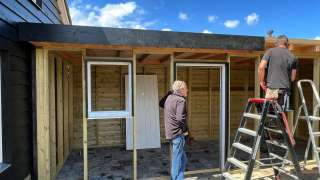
(224, 102)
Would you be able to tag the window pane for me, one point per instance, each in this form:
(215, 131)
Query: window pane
(108, 87)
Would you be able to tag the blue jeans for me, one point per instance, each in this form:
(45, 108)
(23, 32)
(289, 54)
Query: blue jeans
(179, 158)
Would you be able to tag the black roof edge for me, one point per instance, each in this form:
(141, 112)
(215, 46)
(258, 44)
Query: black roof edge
(58, 33)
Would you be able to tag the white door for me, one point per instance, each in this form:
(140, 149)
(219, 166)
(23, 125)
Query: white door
(147, 117)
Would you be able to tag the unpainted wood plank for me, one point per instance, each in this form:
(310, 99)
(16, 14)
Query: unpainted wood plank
(59, 93)
(43, 139)
(65, 82)
(52, 104)
(70, 80)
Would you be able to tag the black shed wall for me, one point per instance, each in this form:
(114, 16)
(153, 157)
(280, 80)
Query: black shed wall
(18, 120)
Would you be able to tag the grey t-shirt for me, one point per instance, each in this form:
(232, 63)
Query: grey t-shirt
(280, 64)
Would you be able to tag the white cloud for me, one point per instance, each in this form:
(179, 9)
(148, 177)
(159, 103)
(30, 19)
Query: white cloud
(212, 18)
(206, 31)
(183, 16)
(252, 19)
(121, 15)
(317, 38)
(231, 23)
(166, 29)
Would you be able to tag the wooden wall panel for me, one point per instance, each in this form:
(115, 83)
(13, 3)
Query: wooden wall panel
(112, 132)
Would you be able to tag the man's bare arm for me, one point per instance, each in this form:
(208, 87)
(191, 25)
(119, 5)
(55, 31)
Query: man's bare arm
(293, 74)
(262, 66)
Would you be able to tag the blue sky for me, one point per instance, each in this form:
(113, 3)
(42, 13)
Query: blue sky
(295, 18)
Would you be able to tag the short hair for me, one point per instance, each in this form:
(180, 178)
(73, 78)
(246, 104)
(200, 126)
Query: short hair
(282, 40)
(177, 86)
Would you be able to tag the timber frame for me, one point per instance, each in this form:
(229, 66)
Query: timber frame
(170, 48)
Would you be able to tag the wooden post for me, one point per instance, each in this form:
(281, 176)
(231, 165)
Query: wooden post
(84, 118)
(134, 70)
(189, 80)
(65, 83)
(52, 104)
(59, 127)
(257, 91)
(210, 103)
(171, 74)
(70, 107)
(316, 80)
(43, 134)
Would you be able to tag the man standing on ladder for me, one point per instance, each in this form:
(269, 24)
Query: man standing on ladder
(281, 72)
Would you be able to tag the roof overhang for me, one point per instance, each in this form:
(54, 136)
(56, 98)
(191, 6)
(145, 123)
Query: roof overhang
(102, 37)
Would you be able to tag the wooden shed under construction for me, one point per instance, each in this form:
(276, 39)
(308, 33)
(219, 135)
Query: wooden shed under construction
(99, 87)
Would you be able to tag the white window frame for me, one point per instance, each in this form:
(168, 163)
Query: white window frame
(127, 113)
(1, 148)
(223, 100)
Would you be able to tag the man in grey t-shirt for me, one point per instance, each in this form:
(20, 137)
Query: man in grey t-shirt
(281, 71)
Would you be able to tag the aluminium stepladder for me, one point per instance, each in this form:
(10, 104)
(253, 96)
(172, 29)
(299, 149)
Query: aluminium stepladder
(309, 119)
(270, 121)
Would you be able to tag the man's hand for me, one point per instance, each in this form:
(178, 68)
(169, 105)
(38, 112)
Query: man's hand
(263, 86)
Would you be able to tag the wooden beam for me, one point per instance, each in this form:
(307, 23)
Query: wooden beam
(84, 120)
(52, 111)
(65, 82)
(257, 91)
(211, 124)
(316, 80)
(143, 57)
(60, 131)
(70, 107)
(43, 124)
(164, 58)
(134, 129)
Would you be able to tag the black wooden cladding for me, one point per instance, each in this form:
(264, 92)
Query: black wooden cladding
(18, 108)
(132, 37)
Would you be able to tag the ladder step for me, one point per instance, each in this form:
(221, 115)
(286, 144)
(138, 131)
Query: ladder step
(238, 163)
(247, 131)
(251, 115)
(271, 116)
(273, 130)
(286, 161)
(276, 143)
(316, 133)
(315, 118)
(228, 176)
(242, 147)
(285, 172)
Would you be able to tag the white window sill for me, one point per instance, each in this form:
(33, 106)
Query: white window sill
(3, 167)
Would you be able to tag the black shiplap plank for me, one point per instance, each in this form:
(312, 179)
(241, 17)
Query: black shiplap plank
(19, 64)
(13, 5)
(19, 105)
(49, 14)
(10, 32)
(13, 47)
(52, 9)
(9, 16)
(20, 91)
(54, 3)
(18, 78)
(39, 13)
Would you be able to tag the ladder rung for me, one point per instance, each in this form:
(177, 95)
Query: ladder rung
(273, 130)
(271, 116)
(315, 118)
(238, 163)
(316, 133)
(251, 115)
(286, 161)
(228, 176)
(247, 131)
(285, 172)
(276, 143)
(242, 147)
